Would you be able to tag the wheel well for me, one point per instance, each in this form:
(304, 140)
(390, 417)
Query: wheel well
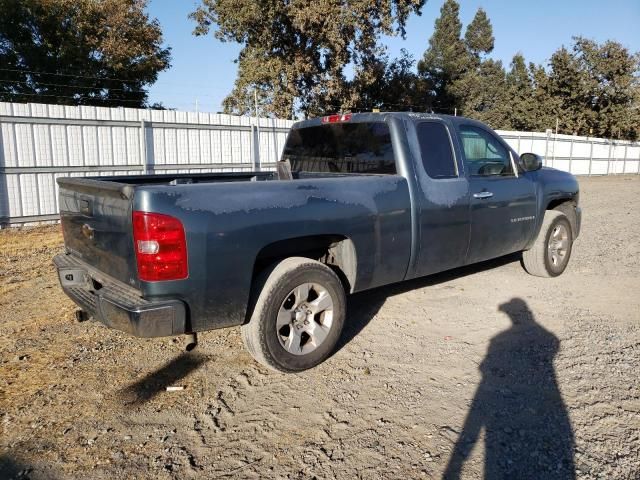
(566, 206)
(336, 251)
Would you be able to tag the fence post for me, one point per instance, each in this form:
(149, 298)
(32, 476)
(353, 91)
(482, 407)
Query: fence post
(570, 155)
(255, 153)
(609, 157)
(590, 156)
(274, 139)
(624, 160)
(143, 147)
(546, 148)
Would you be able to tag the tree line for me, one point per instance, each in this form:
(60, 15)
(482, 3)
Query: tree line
(306, 58)
(295, 55)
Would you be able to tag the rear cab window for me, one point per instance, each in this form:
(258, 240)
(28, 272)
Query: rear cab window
(353, 148)
(436, 150)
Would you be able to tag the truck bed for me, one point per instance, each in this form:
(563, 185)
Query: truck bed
(185, 178)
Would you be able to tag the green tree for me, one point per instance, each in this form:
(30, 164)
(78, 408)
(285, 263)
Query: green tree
(478, 37)
(388, 85)
(570, 84)
(484, 94)
(545, 106)
(446, 59)
(592, 89)
(612, 87)
(79, 52)
(480, 89)
(522, 110)
(294, 53)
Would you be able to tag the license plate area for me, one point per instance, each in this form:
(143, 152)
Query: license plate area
(75, 277)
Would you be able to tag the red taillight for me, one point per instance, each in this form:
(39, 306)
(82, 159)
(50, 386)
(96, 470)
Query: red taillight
(336, 118)
(161, 248)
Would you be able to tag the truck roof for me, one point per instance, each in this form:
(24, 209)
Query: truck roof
(381, 116)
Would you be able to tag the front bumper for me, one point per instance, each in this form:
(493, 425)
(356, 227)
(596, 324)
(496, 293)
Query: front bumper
(117, 305)
(578, 221)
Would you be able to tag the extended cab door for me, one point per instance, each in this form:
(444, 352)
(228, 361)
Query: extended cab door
(443, 203)
(503, 200)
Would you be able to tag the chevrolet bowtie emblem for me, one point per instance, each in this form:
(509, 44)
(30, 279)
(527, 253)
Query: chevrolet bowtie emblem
(87, 231)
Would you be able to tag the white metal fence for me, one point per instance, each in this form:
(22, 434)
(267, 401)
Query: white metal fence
(578, 155)
(39, 143)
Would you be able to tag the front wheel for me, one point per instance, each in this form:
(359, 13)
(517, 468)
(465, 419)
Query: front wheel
(549, 255)
(297, 317)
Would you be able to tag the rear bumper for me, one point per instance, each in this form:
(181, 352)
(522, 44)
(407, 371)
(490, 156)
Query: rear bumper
(117, 305)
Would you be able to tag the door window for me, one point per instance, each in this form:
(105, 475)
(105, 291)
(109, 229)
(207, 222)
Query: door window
(484, 154)
(435, 149)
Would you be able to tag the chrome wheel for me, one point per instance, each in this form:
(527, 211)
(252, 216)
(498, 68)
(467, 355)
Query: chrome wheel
(305, 318)
(558, 245)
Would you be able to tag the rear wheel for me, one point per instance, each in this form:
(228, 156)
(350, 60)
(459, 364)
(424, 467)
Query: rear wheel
(549, 255)
(298, 315)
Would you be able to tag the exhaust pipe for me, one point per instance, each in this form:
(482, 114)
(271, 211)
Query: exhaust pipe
(81, 316)
(192, 342)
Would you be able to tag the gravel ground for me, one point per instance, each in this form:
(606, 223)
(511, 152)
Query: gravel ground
(484, 371)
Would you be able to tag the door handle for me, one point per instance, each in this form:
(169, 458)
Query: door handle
(483, 195)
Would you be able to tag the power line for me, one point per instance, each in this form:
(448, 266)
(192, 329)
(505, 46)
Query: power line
(181, 94)
(80, 97)
(35, 72)
(68, 85)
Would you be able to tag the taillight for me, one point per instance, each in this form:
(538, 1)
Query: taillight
(336, 118)
(161, 248)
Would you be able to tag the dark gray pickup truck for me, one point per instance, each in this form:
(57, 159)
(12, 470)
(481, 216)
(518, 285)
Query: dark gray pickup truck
(361, 201)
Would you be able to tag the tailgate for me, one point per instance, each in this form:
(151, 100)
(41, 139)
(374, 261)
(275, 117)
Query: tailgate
(96, 224)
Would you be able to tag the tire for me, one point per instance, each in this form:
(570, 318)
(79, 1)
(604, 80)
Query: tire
(550, 253)
(288, 332)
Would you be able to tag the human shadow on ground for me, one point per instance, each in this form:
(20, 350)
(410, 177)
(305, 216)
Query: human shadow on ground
(518, 405)
(168, 375)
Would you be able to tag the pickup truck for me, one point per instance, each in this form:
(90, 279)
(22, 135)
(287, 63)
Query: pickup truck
(358, 201)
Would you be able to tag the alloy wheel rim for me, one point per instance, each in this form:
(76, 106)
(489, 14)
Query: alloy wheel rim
(304, 318)
(558, 246)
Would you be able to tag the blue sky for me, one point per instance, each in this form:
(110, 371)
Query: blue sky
(203, 69)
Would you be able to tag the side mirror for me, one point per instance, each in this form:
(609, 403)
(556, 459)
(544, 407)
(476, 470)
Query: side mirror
(531, 162)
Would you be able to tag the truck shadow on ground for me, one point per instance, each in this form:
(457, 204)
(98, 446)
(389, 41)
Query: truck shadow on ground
(157, 381)
(363, 307)
(517, 405)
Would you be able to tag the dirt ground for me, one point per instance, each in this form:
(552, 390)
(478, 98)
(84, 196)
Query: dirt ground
(485, 371)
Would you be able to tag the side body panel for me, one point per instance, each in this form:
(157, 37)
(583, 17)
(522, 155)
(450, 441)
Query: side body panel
(503, 221)
(552, 186)
(227, 225)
